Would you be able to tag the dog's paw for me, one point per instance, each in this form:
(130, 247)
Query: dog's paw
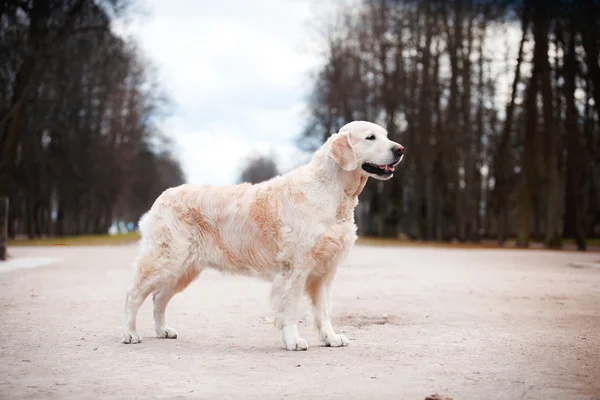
(336, 340)
(297, 344)
(166, 333)
(131, 337)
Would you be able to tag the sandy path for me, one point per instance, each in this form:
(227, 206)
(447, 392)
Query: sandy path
(470, 324)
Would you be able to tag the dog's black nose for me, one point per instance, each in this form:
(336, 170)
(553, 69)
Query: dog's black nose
(398, 150)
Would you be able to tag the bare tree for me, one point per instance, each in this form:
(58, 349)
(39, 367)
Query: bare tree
(423, 73)
(258, 169)
(503, 159)
(77, 165)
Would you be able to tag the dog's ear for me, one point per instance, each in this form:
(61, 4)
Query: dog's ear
(342, 152)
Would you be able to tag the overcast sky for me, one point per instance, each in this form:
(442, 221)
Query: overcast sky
(238, 74)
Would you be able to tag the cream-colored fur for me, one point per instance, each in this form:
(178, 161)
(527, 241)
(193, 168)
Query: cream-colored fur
(293, 230)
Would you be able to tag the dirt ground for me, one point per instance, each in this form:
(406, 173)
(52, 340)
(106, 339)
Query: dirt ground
(468, 324)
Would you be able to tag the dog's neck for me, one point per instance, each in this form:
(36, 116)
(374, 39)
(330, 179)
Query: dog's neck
(343, 184)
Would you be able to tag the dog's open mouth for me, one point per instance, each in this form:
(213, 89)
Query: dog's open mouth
(381, 170)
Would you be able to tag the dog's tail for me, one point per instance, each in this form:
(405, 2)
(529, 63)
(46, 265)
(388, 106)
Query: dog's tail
(145, 231)
(143, 224)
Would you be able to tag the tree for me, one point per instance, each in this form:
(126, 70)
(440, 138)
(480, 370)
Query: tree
(427, 71)
(258, 169)
(93, 152)
(503, 159)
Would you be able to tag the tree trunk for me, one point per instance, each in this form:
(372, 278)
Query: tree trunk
(3, 227)
(502, 159)
(551, 139)
(588, 13)
(467, 143)
(452, 137)
(528, 169)
(424, 185)
(576, 199)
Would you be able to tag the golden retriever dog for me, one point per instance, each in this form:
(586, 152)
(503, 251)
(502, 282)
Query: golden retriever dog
(292, 230)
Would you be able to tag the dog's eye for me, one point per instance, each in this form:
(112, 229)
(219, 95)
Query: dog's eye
(370, 137)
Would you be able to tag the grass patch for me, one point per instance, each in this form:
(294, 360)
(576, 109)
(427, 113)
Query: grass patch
(83, 240)
(101, 240)
(391, 242)
(595, 242)
(568, 244)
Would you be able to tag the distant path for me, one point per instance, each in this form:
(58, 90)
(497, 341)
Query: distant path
(469, 324)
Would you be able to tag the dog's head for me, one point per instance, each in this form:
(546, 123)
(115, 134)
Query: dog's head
(365, 145)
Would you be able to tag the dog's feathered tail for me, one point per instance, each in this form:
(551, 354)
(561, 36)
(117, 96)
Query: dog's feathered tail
(143, 223)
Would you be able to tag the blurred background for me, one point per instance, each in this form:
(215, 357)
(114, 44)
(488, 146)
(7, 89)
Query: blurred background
(106, 103)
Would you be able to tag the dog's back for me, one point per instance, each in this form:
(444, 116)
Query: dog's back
(235, 229)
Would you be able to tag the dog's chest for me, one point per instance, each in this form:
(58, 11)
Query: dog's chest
(345, 210)
(331, 211)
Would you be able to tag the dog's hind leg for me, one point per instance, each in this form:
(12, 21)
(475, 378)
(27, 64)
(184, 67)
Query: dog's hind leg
(164, 295)
(146, 280)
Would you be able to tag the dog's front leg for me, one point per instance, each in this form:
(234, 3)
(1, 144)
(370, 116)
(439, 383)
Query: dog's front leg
(286, 294)
(318, 288)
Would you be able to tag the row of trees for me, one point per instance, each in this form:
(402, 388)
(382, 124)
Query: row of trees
(79, 146)
(502, 138)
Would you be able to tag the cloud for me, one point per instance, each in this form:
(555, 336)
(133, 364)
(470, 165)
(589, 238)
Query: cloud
(215, 155)
(237, 72)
